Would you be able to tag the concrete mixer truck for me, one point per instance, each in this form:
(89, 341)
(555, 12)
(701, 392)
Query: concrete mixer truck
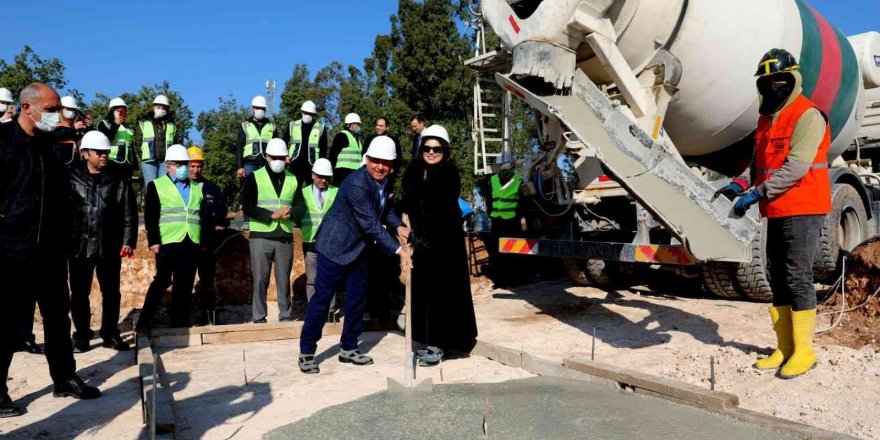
(647, 107)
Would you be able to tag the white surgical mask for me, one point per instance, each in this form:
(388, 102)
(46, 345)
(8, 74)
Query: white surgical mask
(68, 114)
(4, 108)
(160, 112)
(48, 121)
(259, 114)
(307, 119)
(277, 166)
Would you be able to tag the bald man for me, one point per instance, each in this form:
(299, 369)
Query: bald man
(35, 218)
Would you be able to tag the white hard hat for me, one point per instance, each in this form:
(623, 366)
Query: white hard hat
(382, 147)
(309, 107)
(162, 100)
(176, 153)
(258, 101)
(322, 167)
(117, 102)
(95, 140)
(352, 118)
(436, 131)
(6, 95)
(69, 102)
(276, 147)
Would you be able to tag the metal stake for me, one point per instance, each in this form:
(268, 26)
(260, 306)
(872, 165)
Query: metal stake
(593, 351)
(244, 367)
(153, 397)
(712, 373)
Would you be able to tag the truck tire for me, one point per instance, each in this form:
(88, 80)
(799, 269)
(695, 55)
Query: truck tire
(842, 230)
(596, 273)
(718, 278)
(752, 279)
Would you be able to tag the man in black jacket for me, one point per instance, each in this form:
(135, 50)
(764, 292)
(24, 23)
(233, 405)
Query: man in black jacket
(34, 230)
(104, 230)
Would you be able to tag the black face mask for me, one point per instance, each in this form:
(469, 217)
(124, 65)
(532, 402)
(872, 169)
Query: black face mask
(775, 91)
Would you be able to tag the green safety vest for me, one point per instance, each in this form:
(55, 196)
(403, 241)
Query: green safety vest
(314, 137)
(148, 150)
(120, 144)
(267, 198)
(312, 217)
(351, 156)
(256, 140)
(178, 220)
(505, 198)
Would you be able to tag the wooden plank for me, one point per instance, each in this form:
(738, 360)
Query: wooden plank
(785, 426)
(291, 332)
(702, 397)
(220, 328)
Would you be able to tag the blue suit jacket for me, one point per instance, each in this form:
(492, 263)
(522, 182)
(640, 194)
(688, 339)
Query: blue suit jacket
(355, 220)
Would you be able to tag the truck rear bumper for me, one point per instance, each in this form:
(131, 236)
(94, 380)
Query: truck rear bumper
(608, 251)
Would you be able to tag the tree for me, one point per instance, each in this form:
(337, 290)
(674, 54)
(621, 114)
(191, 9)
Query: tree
(323, 90)
(219, 128)
(28, 67)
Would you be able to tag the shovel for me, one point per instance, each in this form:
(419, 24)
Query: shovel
(409, 380)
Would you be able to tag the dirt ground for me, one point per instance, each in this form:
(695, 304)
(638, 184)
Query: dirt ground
(668, 328)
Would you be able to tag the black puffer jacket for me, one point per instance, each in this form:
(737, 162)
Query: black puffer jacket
(104, 213)
(34, 195)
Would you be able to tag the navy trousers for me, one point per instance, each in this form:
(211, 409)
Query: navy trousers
(330, 278)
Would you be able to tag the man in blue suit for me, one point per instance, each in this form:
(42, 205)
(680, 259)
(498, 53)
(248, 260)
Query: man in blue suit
(361, 216)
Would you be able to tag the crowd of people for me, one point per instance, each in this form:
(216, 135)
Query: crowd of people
(68, 211)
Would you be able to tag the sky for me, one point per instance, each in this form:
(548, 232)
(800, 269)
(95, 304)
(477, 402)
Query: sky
(209, 49)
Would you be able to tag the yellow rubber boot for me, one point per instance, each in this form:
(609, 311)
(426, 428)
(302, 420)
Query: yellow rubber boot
(803, 324)
(781, 318)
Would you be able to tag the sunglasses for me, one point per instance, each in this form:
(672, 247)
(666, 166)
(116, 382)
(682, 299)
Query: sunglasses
(434, 150)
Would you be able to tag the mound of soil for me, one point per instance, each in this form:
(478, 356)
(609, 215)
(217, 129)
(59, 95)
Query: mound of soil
(859, 327)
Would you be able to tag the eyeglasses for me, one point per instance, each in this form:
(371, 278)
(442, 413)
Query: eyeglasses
(434, 150)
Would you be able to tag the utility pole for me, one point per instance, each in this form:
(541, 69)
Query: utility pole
(270, 96)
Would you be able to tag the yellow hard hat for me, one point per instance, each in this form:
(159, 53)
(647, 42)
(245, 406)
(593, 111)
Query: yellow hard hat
(196, 153)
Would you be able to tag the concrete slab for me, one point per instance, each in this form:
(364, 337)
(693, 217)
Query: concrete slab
(546, 408)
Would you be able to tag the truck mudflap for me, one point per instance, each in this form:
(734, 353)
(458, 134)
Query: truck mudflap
(632, 253)
(667, 188)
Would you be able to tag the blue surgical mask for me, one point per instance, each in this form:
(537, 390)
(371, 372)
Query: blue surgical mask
(357, 130)
(182, 172)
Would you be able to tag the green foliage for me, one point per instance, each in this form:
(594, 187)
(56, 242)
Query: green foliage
(219, 128)
(28, 67)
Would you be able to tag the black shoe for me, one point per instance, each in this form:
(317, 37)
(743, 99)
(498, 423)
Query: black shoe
(115, 342)
(77, 389)
(287, 319)
(81, 345)
(308, 365)
(31, 347)
(8, 408)
(260, 321)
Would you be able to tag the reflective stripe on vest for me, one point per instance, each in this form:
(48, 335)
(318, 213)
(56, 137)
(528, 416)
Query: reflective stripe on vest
(256, 140)
(148, 146)
(350, 157)
(812, 194)
(505, 199)
(314, 138)
(176, 219)
(312, 218)
(267, 198)
(120, 144)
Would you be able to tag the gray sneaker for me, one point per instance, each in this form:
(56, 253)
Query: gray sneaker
(429, 356)
(354, 357)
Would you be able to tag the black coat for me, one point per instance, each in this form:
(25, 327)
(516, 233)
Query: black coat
(443, 310)
(105, 214)
(34, 195)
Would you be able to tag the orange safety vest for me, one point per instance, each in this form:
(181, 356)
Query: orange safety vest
(810, 196)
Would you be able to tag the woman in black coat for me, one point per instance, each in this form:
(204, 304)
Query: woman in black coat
(442, 306)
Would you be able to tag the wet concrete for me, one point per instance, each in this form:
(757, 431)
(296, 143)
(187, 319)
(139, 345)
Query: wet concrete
(534, 408)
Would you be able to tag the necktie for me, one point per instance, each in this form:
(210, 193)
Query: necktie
(321, 199)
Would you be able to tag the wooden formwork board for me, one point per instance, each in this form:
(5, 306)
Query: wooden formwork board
(232, 334)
